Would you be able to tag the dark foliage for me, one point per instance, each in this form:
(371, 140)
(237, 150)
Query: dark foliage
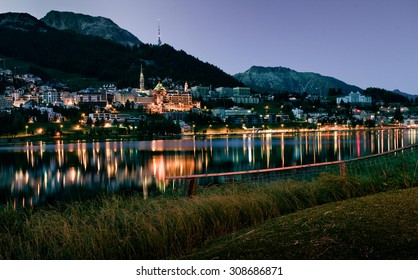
(11, 123)
(335, 92)
(94, 57)
(386, 96)
(39, 72)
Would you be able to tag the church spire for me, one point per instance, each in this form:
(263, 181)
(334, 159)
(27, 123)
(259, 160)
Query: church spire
(141, 81)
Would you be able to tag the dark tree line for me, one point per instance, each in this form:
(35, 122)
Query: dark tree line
(95, 57)
(157, 125)
(12, 123)
(386, 96)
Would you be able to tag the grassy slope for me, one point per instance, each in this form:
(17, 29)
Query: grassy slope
(381, 226)
(115, 227)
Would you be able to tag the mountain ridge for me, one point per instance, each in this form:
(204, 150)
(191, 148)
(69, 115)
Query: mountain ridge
(89, 25)
(23, 22)
(259, 78)
(407, 95)
(283, 79)
(95, 57)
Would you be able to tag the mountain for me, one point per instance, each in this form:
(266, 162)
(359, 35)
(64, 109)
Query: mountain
(89, 25)
(22, 22)
(94, 57)
(407, 95)
(281, 79)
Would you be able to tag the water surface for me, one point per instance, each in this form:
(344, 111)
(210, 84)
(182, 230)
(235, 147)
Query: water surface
(37, 172)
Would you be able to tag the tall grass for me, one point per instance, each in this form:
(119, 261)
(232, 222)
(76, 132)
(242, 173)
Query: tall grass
(115, 227)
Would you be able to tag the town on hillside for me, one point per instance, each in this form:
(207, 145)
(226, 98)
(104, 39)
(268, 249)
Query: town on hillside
(30, 106)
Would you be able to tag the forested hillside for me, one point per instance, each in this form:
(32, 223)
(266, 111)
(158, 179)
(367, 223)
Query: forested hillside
(95, 57)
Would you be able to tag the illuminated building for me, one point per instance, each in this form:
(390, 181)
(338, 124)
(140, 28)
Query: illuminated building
(172, 100)
(123, 96)
(69, 99)
(141, 81)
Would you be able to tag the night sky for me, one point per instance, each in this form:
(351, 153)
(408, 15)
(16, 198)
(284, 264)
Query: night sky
(362, 42)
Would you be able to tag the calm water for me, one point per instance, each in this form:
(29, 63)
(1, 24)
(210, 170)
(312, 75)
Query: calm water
(37, 172)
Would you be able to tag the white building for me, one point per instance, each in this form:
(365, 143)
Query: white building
(298, 113)
(109, 117)
(363, 115)
(411, 122)
(242, 91)
(123, 96)
(198, 91)
(91, 97)
(355, 98)
(225, 91)
(231, 112)
(245, 99)
(51, 96)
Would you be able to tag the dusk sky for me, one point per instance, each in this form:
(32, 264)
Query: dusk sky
(367, 43)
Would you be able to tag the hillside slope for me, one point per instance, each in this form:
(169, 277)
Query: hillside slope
(89, 25)
(281, 79)
(94, 57)
(22, 22)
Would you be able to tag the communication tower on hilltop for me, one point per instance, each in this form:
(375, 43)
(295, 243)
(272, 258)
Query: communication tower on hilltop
(159, 33)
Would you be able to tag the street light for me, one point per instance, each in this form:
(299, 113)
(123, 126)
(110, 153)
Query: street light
(26, 130)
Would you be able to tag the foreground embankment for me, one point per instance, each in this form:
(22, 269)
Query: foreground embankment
(381, 226)
(117, 227)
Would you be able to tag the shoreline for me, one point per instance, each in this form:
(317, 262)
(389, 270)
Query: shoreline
(298, 131)
(20, 139)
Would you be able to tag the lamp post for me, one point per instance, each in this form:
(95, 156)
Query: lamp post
(26, 130)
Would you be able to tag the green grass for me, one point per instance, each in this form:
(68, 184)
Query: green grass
(116, 227)
(381, 226)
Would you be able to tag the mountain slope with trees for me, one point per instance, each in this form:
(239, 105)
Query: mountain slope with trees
(23, 22)
(281, 79)
(92, 56)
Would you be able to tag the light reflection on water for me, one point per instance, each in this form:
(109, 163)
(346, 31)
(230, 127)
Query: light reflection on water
(36, 172)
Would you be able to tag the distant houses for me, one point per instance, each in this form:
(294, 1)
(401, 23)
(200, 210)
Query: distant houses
(240, 116)
(5, 104)
(180, 103)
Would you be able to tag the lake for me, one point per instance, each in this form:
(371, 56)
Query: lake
(37, 172)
